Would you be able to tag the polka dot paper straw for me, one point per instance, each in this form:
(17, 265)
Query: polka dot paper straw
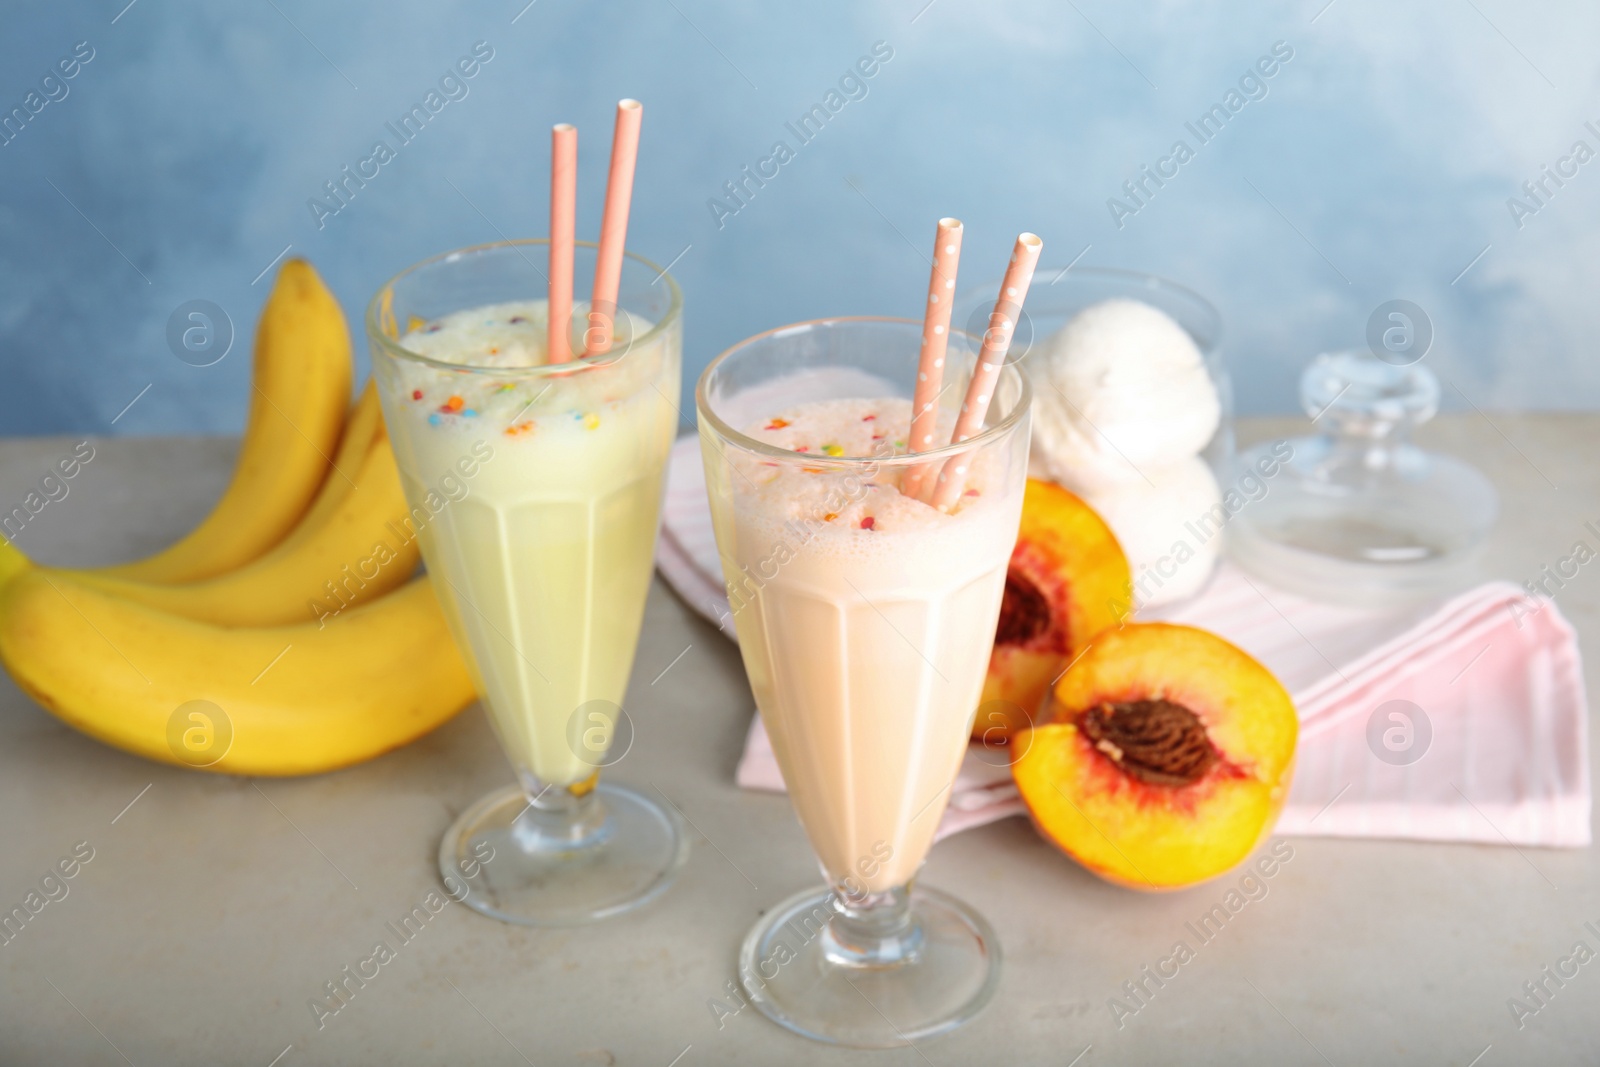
(563, 224)
(986, 373)
(935, 341)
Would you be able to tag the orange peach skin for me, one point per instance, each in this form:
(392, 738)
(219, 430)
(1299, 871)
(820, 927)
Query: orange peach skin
(1068, 552)
(1159, 837)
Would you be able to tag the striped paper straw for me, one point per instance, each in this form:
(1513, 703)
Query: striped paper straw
(614, 228)
(563, 226)
(935, 340)
(996, 342)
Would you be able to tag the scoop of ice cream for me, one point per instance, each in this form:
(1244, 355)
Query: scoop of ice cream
(1062, 452)
(1121, 388)
(1170, 528)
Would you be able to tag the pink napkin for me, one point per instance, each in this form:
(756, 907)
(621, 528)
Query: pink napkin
(1461, 721)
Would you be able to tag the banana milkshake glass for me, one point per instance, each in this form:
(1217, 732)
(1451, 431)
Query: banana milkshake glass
(865, 619)
(535, 491)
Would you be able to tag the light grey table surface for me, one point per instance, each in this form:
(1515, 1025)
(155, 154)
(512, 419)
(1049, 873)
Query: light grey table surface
(215, 907)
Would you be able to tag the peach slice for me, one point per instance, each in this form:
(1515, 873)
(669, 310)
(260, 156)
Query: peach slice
(1163, 759)
(1068, 580)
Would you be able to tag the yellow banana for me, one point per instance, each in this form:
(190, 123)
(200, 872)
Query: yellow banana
(360, 549)
(364, 423)
(299, 393)
(272, 701)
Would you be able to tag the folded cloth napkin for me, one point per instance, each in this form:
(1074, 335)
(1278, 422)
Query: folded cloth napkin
(1461, 721)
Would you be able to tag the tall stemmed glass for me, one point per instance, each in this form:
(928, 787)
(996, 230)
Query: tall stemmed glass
(865, 619)
(535, 490)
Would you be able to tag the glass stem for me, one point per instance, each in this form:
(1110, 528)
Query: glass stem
(872, 929)
(560, 818)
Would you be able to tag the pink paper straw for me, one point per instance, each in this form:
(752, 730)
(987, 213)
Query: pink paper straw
(935, 340)
(996, 342)
(563, 226)
(614, 227)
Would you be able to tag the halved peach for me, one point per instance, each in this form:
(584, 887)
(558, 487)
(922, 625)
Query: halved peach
(1068, 580)
(1163, 759)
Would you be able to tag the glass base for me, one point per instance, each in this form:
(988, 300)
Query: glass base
(613, 851)
(802, 968)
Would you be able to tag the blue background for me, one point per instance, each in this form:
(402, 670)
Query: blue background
(1377, 167)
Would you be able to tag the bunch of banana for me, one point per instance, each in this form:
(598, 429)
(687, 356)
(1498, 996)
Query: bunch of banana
(286, 633)
(299, 391)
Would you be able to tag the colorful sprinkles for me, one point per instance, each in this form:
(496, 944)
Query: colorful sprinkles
(501, 336)
(847, 444)
(840, 428)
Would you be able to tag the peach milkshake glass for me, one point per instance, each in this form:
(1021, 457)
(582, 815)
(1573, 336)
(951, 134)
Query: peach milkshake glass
(865, 618)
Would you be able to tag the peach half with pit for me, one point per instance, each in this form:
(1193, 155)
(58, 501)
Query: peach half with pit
(1163, 759)
(1067, 581)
